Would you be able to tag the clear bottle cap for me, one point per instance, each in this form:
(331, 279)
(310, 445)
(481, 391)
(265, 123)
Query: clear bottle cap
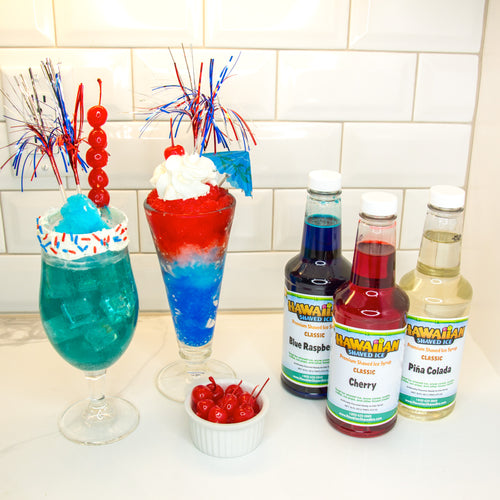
(379, 204)
(324, 181)
(447, 197)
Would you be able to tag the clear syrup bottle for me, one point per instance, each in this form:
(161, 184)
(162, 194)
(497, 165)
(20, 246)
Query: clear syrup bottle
(440, 300)
(370, 324)
(311, 279)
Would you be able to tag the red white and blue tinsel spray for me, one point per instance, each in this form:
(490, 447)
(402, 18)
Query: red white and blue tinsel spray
(44, 126)
(210, 121)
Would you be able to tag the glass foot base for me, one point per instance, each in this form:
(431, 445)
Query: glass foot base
(94, 424)
(178, 378)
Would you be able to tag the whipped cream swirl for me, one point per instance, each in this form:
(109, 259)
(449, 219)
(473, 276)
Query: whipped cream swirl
(182, 177)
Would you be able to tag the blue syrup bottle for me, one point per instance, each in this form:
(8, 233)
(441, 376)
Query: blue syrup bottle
(311, 279)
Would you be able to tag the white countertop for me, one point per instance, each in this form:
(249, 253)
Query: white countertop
(301, 455)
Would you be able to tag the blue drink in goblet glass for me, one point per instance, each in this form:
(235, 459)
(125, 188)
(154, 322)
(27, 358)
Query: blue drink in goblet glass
(89, 307)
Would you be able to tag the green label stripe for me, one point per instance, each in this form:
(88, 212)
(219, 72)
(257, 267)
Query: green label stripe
(309, 297)
(437, 321)
(426, 403)
(358, 418)
(384, 333)
(305, 379)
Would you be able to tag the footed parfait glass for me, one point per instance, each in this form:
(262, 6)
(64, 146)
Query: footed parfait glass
(89, 307)
(191, 250)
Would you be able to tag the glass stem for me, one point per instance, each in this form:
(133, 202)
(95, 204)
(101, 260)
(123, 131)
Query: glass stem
(96, 383)
(195, 358)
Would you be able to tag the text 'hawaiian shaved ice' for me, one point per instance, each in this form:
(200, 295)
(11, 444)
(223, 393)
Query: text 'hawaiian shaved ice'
(80, 216)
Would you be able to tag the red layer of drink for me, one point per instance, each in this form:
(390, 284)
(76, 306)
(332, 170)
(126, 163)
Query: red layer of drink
(175, 230)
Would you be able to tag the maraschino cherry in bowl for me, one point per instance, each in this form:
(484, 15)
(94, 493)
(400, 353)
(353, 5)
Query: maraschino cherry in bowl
(234, 424)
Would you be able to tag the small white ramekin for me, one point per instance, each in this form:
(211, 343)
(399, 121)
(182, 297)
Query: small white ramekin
(228, 440)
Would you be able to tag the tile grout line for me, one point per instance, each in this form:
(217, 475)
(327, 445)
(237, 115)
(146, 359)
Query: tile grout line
(132, 85)
(476, 103)
(348, 34)
(203, 20)
(414, 100)
(276, 86)
(272, 219)
(54, 21)
(2, 228)
(403, 199)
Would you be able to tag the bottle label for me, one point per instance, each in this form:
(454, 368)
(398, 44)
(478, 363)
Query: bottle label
(307, 332)
(433, 355)
(365, 374)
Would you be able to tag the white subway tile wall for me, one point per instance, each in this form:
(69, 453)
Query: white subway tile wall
(404, 154)
(425, 25)
(126, 23)
(2, 237)
(27, 23)
(345, 85)
(280, 24)
(446, 88)
(384, 92)
(252, 92)
(415, 209)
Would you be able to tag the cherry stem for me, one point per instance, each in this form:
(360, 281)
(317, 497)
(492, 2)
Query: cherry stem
(234, 388)
(99, 81)
(258, 394)
(172, 139)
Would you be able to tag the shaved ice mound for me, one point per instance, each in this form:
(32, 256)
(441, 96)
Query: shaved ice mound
(186, 229)
(217, 198)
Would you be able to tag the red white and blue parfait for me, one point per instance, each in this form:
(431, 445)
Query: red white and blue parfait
(190, 216)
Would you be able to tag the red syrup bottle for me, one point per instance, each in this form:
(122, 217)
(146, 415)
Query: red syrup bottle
(370, 324)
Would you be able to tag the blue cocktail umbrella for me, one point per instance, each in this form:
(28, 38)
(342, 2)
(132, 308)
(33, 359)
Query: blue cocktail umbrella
(236, 165)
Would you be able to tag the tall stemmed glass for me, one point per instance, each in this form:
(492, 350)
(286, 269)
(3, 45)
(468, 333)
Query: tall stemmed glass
(89, 308)
(191, 249)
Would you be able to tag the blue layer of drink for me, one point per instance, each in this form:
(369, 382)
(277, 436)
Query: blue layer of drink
(89, 307)
(193, 295)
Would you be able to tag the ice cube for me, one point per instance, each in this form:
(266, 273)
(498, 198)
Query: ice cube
(117, 307)
(100, 336)
(58, 288)
(58, 331)
(78, 311)
(87, 283)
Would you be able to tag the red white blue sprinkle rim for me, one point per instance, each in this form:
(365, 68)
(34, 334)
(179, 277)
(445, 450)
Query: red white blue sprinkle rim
(70, 246)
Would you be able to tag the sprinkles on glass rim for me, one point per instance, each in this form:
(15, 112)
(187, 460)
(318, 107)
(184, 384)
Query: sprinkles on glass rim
(76, 246)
